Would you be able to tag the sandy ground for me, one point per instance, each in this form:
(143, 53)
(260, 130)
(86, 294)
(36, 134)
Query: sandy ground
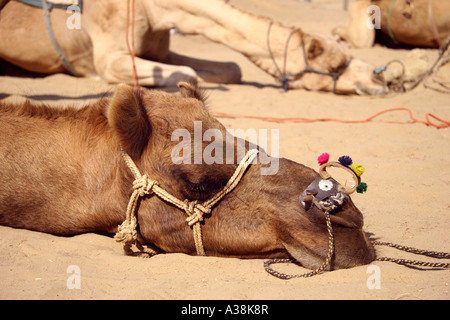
(406, 169)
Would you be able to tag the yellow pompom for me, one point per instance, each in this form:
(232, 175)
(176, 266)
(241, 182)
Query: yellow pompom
(358, 169)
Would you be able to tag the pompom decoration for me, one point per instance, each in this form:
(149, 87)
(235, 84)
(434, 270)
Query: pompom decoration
(345, 161)
(362, 187)
(357, 169)
(323, 158)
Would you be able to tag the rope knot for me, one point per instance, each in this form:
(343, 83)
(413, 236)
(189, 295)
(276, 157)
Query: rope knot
(127, 232)
(195, 211)
(144, 185)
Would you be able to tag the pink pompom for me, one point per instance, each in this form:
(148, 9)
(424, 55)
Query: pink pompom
(323, 158)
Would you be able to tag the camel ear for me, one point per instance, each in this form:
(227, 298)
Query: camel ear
(188, 90)
(127, 116)
(315, 49)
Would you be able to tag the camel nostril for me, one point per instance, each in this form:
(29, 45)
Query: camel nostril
(308, 199)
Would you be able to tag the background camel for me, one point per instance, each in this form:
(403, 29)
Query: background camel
(423, 23)
(99, 47)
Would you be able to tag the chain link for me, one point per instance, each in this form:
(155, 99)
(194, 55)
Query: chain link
(327, 264)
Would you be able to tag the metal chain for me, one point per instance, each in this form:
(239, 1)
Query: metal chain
(433, 254)
(415, 263)
(403, 262)
(326, 265)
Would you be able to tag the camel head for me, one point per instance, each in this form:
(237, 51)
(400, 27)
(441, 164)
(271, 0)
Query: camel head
(262, 217)
(172, 140)
(318, 63)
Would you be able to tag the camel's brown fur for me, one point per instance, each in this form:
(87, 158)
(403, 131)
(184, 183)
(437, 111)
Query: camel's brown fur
(61, 172)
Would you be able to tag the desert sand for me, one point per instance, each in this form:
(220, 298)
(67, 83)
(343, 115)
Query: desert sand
(407, 172)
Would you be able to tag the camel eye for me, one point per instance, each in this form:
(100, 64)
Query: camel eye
(197, 188)
(205, 189)
(339, 68)
(197, 182)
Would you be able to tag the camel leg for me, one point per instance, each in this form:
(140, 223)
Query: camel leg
(214, 19)
(220, 22)
(357, 32)
(118, 69)
(209, 71)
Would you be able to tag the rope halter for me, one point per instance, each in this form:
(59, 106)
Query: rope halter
(285, 77)
(195, 210)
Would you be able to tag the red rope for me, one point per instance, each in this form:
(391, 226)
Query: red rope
(428, 122)
(131, 50)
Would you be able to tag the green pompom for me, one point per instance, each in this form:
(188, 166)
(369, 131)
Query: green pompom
(362, 187)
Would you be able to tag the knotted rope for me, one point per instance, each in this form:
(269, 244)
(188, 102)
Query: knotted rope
(143, 185)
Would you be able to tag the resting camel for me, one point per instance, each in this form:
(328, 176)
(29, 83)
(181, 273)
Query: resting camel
(422, 23)
(63, 172)
(99, 47)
